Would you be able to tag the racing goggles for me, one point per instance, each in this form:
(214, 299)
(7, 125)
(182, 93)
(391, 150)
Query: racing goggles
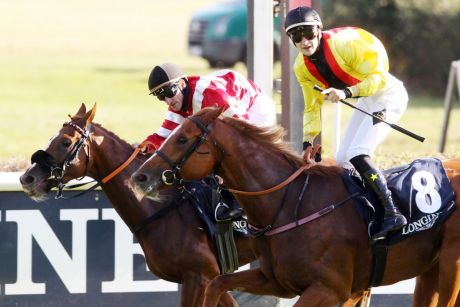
(169, 90)
(309, 32)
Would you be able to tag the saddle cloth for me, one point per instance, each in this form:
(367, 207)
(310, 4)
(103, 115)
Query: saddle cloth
(421, 190)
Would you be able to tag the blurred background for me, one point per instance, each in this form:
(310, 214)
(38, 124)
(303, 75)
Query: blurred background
(55, 55)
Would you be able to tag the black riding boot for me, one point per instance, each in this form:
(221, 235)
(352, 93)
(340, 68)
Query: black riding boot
(228, 208)
(224, 213)
(393, 219)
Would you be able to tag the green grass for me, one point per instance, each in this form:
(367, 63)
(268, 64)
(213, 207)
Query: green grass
(54, 55)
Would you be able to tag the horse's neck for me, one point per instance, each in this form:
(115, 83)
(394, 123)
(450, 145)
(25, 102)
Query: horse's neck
(254, 167)
(107, 152)
(250, 172)
(107, 156)
(250, 166)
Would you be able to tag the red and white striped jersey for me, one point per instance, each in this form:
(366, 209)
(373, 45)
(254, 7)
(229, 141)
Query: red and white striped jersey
(222, 88)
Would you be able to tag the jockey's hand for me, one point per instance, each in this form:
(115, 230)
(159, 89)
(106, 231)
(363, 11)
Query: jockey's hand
(219, 179)
(146, 148)
(311, 153)
(333, 94)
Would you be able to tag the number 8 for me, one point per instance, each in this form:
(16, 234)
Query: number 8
(427, 198)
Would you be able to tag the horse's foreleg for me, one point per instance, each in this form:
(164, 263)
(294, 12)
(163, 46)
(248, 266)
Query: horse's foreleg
(318, 295)
(361, 299)
(449, 269)
(227, 300)
(192, 291)
(426, 288)
(251, 281)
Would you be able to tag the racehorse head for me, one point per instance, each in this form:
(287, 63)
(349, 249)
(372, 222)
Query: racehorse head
(66, 157)
(189, 153)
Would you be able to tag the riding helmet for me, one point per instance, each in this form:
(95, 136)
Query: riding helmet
(302, 16)
(163, 74)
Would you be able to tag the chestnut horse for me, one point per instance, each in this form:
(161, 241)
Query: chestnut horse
(176, 247)
(325, 261)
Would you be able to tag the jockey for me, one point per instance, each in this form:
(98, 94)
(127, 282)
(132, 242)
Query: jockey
(350, 63)
(186, 95)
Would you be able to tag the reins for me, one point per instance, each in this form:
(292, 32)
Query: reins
(109, 176)
(310, 161)
(274, 188)
(157, 215)
(122, 166)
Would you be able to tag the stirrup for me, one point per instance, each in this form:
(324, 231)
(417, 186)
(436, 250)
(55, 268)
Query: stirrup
(228, 214)
(380, 235)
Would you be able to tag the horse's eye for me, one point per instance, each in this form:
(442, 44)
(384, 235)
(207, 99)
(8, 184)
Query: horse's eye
(66, 142)
(182, 140)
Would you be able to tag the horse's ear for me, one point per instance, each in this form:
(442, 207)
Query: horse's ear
(90, 115)
(81, 112)
(221, 109)
(212, 113)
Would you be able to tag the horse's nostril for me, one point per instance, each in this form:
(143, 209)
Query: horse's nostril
(141, 178)
(26, 179)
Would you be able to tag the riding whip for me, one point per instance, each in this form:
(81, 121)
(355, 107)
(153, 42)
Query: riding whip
(394, 126)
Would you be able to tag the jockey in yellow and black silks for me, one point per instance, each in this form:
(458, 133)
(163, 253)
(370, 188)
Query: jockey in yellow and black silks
(350, 63)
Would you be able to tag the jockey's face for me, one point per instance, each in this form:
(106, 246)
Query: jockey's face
(307, 42)
(175, 102)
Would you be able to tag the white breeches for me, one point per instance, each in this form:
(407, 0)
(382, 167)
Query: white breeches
(363, 134)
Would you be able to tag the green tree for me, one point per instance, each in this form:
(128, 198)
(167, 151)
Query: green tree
(421, 36)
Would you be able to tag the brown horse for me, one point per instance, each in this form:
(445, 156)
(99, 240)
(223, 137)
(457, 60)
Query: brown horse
(176, 247)
(325, 261)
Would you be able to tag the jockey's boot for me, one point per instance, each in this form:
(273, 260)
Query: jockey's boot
(224, 212)
(393, 218)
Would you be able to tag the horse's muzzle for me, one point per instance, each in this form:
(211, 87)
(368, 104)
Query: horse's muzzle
(144, 184)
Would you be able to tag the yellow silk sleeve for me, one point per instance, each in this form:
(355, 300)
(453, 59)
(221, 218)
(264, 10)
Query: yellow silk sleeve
(313, 101)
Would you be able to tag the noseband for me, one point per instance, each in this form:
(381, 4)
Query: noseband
(49, 164)
(172, 176)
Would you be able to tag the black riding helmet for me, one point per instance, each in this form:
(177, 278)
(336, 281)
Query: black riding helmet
(168, 73)
(163, 74)
(301, 16)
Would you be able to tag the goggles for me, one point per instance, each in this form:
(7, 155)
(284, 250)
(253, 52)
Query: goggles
(301, 32)
(169, 90)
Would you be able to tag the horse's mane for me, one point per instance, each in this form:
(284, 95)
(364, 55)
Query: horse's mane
(80, 121)
(119, 140)
(272, 137)
(112, 135)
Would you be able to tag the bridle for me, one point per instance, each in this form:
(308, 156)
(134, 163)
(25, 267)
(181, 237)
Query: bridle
(47, 162)
(172, 176)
